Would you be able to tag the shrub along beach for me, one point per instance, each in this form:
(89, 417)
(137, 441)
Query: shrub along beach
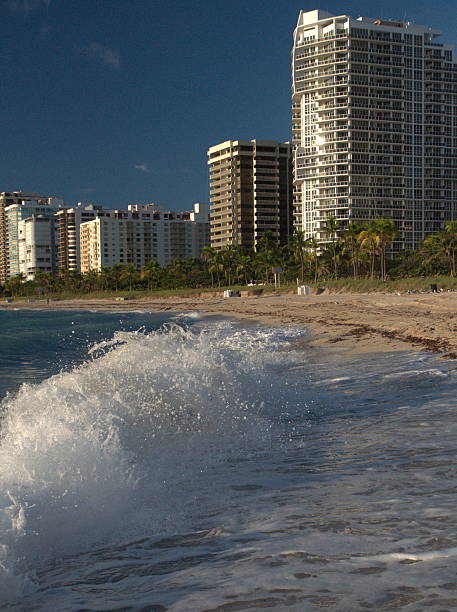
(357, 257)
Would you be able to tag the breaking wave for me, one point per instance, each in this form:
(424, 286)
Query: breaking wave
(116, 448)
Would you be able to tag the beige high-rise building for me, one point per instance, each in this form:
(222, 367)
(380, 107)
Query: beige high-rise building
(68, 222)
(250, 191)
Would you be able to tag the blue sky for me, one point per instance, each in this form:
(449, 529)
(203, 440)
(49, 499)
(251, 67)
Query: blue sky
(117, 101)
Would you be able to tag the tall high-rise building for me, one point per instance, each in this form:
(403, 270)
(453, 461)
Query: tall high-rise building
(374, 121)
(251, 192)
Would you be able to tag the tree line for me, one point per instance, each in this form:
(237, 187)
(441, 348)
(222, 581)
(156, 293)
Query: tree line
(355, 251)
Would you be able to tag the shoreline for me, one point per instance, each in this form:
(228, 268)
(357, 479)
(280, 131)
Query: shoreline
(355, 323)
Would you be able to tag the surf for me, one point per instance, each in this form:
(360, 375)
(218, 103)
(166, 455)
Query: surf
(115, 448)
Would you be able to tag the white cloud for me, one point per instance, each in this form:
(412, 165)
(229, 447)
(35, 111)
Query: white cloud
(103, 54)
(142, 167)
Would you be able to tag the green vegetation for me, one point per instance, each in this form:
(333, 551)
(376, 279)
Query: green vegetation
(354, 258)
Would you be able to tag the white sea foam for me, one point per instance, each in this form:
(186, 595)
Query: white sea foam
(190, 314)
(113, 445)
(329, 381)
(420, 374)
(430, 555)
(195, 469)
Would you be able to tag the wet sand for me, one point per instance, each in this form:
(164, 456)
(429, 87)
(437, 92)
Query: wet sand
(355, 323)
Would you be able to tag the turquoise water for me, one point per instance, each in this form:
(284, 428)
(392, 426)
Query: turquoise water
(185, 463)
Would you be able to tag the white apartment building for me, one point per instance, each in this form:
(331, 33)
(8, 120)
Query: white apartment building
(374, 121)
(36, 246)
(8, 198)
(143, 233)
(14, 214)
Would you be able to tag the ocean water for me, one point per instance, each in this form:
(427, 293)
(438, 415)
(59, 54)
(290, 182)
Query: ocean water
(187, 463)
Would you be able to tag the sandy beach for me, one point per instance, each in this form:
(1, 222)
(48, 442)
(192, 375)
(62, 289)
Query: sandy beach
(355, 323)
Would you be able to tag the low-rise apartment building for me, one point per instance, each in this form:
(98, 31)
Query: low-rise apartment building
(143, 233)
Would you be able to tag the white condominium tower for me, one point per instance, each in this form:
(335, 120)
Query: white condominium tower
(374, 119)
(36, 246)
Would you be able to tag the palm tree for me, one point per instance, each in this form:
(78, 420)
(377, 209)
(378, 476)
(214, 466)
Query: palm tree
(176, 273)
(227, 259)
(105, 277)
(313, 246)
(71, 279)
(209, 257)
(331, 228)
(244, 264)
(267, 242)
(433, 251)
(450, 244)
(299, 246)
(267, 252)
(352, 245)
(61, 278)
(91, 279)
(149, 272)
(265, 260)
(129, 274)
(216, 267)
(15, 284)
(440, 247)
(196, 272)
(369, 243)
(385, 232)
(116, 273)
(49, 281)
(39, 281)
